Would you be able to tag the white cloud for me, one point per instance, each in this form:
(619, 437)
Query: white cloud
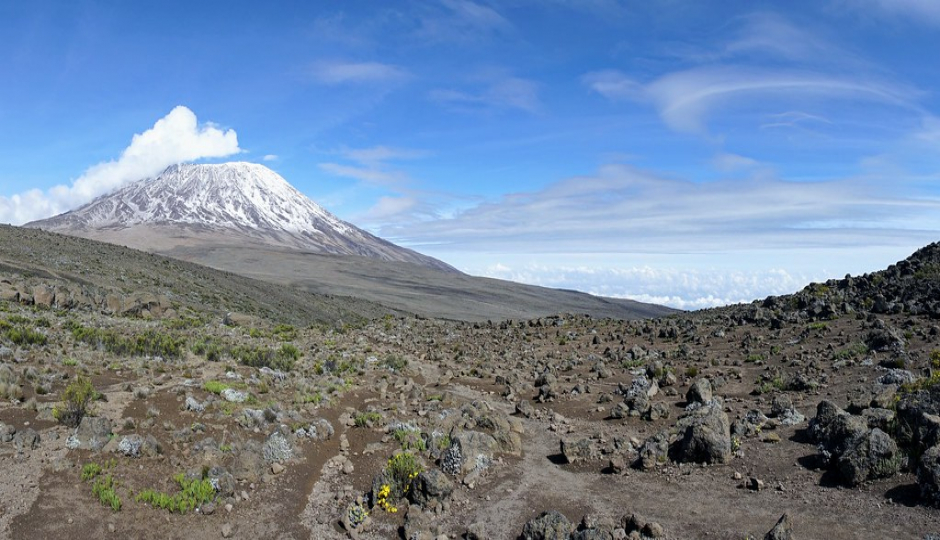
(175, 138)
(727, 162)
(501, 93)
(334, 73)
(270, 157)
(613, 85)
(680, 288)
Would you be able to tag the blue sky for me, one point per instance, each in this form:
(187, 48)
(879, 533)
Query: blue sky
(684, 152)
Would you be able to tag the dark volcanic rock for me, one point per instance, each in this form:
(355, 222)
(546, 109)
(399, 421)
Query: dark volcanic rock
(705, 436)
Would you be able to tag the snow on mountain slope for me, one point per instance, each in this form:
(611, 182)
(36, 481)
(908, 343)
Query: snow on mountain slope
(233, 199)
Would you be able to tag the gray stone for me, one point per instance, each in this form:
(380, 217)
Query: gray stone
(551, 525)
(234, 396)
(705, 436)
(578, 451)
(783, 530)
(91, 434)
(192, 404)
(6, 432)
(699, 392)
(26, 439)
(430, 485)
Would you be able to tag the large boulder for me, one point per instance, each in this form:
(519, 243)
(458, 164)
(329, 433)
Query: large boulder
(928, 476)
(857, 451)
(91, 434)
(577, 451)
(468, 451)
(704, 436)
(872, 455)
(430, 485)
(550, 525)
(918, 417)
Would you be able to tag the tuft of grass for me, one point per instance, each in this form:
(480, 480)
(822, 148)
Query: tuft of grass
(90, 470)
(214, 387)
(103, 488)
(193, 493)
(410, 439)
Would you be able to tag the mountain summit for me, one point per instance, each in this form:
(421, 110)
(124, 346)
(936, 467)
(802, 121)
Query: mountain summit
(223, 204)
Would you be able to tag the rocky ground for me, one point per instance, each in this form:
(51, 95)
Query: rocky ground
(815, 415)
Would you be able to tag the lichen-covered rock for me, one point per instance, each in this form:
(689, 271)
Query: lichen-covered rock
(92, 433)
(26, 439)
(654, 451)
(468, 451)
(550, 525)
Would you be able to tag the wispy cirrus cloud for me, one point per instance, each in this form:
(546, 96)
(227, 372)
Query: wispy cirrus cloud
(373, 165)
(625, 209)
(462, 21)
(501, 93)
(685, 99)
(919, 11)
(338, 72)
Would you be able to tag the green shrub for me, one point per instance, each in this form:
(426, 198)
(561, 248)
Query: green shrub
(281, 359)
(211, 348)
(149, 343)
(76, 402)
(400, 470)
(365, 418)
(285, 332)
(395, 362)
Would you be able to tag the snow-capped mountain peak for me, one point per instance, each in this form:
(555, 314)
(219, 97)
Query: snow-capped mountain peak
(237, 198)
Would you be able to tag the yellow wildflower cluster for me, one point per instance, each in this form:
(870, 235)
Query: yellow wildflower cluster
(384, 491)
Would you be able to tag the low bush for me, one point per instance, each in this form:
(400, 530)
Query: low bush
(76, 402)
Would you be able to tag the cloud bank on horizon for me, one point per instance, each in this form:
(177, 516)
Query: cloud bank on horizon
(672, 152)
